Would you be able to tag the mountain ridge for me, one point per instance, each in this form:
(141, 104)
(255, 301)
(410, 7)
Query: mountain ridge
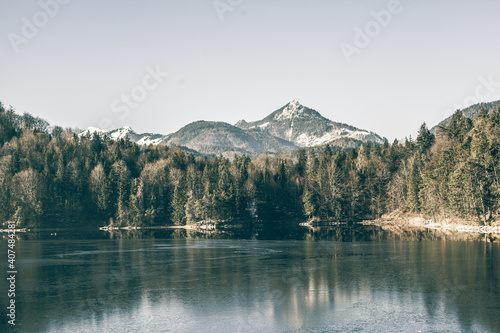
(306, 127)
(286, 129)
(469, 112)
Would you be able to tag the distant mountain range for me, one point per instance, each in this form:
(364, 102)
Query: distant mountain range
(126, 131)
(286, 129)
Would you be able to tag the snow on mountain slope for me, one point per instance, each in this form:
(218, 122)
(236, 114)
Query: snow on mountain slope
(284, 130)
(144, 139)
(307, 127)
(121, 133)
(147, 140)
(91, 130)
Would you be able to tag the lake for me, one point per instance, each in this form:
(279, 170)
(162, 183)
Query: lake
(155, 284)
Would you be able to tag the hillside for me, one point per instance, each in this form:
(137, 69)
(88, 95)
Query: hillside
(470, 112)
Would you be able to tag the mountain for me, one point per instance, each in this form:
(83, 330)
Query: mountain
(210, 137)
(205, 137)
(91, 130)
(307, 128)
(284, 130)
(469, 112)
(126, 131)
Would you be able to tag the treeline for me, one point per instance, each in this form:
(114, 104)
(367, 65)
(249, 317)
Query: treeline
(50, 177)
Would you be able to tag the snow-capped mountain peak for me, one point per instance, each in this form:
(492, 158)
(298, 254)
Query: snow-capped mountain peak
(124, 132)
(307, 127)
(290, 110)
(291, 126)
(91, 130)
(121, 133)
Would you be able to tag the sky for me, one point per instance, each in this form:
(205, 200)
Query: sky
(385, 66)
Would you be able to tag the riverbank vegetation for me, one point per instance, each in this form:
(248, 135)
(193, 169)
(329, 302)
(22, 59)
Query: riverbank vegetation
(50, 177)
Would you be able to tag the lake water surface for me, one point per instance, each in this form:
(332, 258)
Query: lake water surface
(219, 285)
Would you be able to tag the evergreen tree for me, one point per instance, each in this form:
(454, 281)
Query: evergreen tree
(414, 186)
(425, 138)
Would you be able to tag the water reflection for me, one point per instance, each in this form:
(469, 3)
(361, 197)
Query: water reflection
(281, 230)
(191, 285)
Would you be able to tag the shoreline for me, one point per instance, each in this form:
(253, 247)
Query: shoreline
(453, 227)
(448, 224)
(489, 229)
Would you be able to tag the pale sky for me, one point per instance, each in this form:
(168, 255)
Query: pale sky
(74, 64)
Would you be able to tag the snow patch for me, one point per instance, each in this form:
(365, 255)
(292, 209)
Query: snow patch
(264, 126)
(121, 133)
(293, 109)
(306, 140)
(146, 140)
(91, 130)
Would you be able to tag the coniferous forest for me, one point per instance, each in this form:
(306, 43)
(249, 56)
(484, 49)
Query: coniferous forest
(51, 177)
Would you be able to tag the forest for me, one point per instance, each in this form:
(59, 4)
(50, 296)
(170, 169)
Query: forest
(51, 177)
